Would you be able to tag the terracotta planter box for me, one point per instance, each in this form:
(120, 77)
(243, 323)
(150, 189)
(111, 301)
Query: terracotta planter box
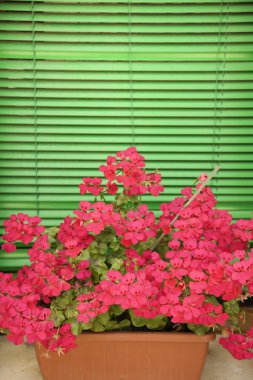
(129, 356)
(248, 318)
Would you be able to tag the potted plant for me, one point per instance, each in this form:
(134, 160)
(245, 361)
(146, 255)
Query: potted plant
(114, 268)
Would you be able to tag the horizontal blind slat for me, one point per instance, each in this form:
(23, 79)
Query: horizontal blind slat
(110, 39)
(120, 7)
(109, 18)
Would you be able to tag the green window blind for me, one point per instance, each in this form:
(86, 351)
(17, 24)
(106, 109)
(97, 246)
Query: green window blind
(82, 79)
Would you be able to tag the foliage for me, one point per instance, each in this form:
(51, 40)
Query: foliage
(115, 266)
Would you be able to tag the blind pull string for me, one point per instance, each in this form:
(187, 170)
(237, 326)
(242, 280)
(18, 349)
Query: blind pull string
(35, 111)
(130, 72)
(217, 87)
(220, 74)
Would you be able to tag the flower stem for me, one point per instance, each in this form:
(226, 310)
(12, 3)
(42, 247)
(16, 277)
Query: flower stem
(199, 189)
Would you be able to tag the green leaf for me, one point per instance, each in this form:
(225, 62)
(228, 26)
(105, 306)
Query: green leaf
(53, 231)
(198, 329)
(70, 312)
(106, 236)
(97, 327)
(148, 244)
(99, 267)
(212, 300)
(112, 325)
(51, 239)
(137, 321)
(86, 326)
(121, 199)
(95, 276)
(100, 322)
(116, 264)
(57, 317)
(62, 302)
(94, 251)
(102, 248)
(124, 324)
(115, 311)
(123, 213)
(159, 322)
(231, 307)
(103, 318)
(76, 328)
(115, 246)
(84, 255)
(235, 260)
(233, 320)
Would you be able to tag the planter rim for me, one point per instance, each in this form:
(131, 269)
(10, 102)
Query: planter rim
(138, 336)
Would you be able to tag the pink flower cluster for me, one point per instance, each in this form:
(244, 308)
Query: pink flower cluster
(126, 168)
(74, 237)
(61, 340)
(20, 227)
(21, 298)
(151, 289)
(50, 273)
(95, 217)
(138, 226)
(91, 185)
(19, 312)
(202, 264)
(90, 307)
(240, 346)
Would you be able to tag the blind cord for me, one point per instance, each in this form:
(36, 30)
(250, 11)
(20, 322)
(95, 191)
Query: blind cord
(219, 81)
(131, 72)
(35, 111)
